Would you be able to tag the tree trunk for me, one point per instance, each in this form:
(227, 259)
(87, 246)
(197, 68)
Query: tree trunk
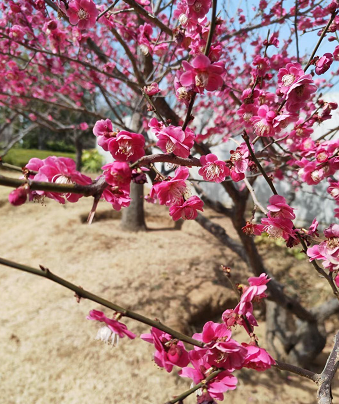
(133, 217)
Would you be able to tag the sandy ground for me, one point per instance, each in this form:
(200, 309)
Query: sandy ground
(47, 349)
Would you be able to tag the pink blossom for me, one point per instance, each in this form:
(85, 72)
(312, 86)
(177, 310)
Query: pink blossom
(262, 64)
(171, 192)
(103, 129)
(173, 139)
(187, 210)
(213, 169)
(82, 13)
(201, 369)
(257, 358)
(113, 329)
(300, 92)
(60, 170)
(263, 122)
(203, 74)
(324, 63)
(118, 174)
(279, 208)
(127, 146)
(83, 126)
(198, 8)
(278, 227)
(312, 231)
(152, 89)
(118, 198)
(288, 76)
(333, 189)
(169, 351)
(246, 112)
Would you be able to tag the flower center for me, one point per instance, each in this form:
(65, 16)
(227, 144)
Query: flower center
(62, 179)
(125, 148)
(316, 176)
(212, 171)
(274, 232)
(261, 129)
(288, 79)
(170, 146)
(82, 14)
(247, 116)
(334, 192)
(333, 242)
(201, 79)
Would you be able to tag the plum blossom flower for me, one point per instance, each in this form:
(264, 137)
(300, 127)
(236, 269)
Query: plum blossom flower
(103, 130)
(60, 170)
(328, 250)
(169, 351)
(198, 8)
(118, 174)
(118, 198)
(263, 121)
(203, 74)
(112, 330)
(324, 63)
(172, 139)
(188, 210)
(152, 89)
(257, 358)
(279, 208)
(223, 382)
(82, 13)
(221, 349)
(171, 192)
(289, 75)
(127, 146)
(213, 169)
(300, 92)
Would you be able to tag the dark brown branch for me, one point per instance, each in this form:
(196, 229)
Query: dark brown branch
(324, 393)
(46, 273)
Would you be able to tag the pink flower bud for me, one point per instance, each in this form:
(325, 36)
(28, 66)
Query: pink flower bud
(18, 196)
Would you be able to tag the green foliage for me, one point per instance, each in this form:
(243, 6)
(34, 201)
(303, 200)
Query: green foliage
(280, 243)
(60, 146)
(92, 161)
(20, 157)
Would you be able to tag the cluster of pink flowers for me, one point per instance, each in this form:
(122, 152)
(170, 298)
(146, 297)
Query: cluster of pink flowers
(123, 145)
(172, 139)
(219, 350)
(278, 222)
(82, 13)
(58, 170)
(174, 192)
(328, 251)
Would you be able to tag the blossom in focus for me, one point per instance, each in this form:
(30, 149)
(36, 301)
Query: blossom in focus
(60, 170)
(223, 382)
(213, 169)
(300, 92)
(169, 351)
(279, 208)
(82, 13)
(118, 174)
(263, 121)
(127, 146)
(288, 76)
(188, 210)
(118, 198)
(113, 329)
(172, 192)
(324, 63)
(257, 358)
(172, 139)
(203, 74)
